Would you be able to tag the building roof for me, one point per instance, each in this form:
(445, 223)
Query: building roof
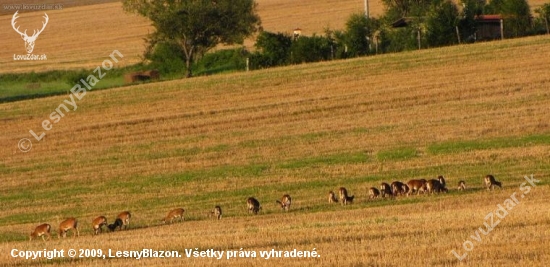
(402, 22)
(488, 18)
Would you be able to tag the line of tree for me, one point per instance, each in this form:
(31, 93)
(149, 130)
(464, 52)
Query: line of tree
(186, 29)
(430, 23)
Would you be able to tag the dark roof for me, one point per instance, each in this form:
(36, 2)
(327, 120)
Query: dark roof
(405, 21)
(489, 18)
(402, 22)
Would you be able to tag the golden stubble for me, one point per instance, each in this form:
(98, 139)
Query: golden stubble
(131, 148)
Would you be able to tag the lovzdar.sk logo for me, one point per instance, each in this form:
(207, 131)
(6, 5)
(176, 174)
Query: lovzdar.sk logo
(29, 40)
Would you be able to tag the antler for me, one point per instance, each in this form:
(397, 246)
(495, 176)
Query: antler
(43, 25)
(34, 34)
(13, 24)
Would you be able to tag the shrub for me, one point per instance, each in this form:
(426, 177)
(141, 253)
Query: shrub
(167, 58)
(274, 49)
(517, 14)
(74, 77)
(221, 61)
(441, 22)
(358, 32)
(310, 49)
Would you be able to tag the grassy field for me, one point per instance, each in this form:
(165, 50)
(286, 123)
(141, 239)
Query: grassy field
(462, 112)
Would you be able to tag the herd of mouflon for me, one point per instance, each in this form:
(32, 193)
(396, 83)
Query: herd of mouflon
(394, 189)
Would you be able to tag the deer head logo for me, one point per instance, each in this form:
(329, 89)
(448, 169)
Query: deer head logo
(29, 40)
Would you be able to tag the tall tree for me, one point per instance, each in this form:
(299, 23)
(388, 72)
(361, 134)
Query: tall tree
(274, 48)
(196, 26)
(518, 21)
(396, 9)
(467, 23)
(544, 14)
(310, 49)
(517, 16)
(441, 23)
(358, 34)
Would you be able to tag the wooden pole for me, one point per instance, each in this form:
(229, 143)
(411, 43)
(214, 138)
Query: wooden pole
(367, 9)
(457, 34)
(501, 29)
(418, 39)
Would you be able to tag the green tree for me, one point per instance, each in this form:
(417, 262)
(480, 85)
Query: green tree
(358, 34)
(310, 49)
(415, 13)
(517, 22)
(274, 49)
(337, 39)
(441, 23)
(544, 15)
(225, 60)
(396, 9)
(493, 7)
(517, 16)
(196, 26)
(166, 58)
(467, 24)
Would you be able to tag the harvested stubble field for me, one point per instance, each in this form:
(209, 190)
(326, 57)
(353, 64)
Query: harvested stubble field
(462, 112)
(78, 36)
